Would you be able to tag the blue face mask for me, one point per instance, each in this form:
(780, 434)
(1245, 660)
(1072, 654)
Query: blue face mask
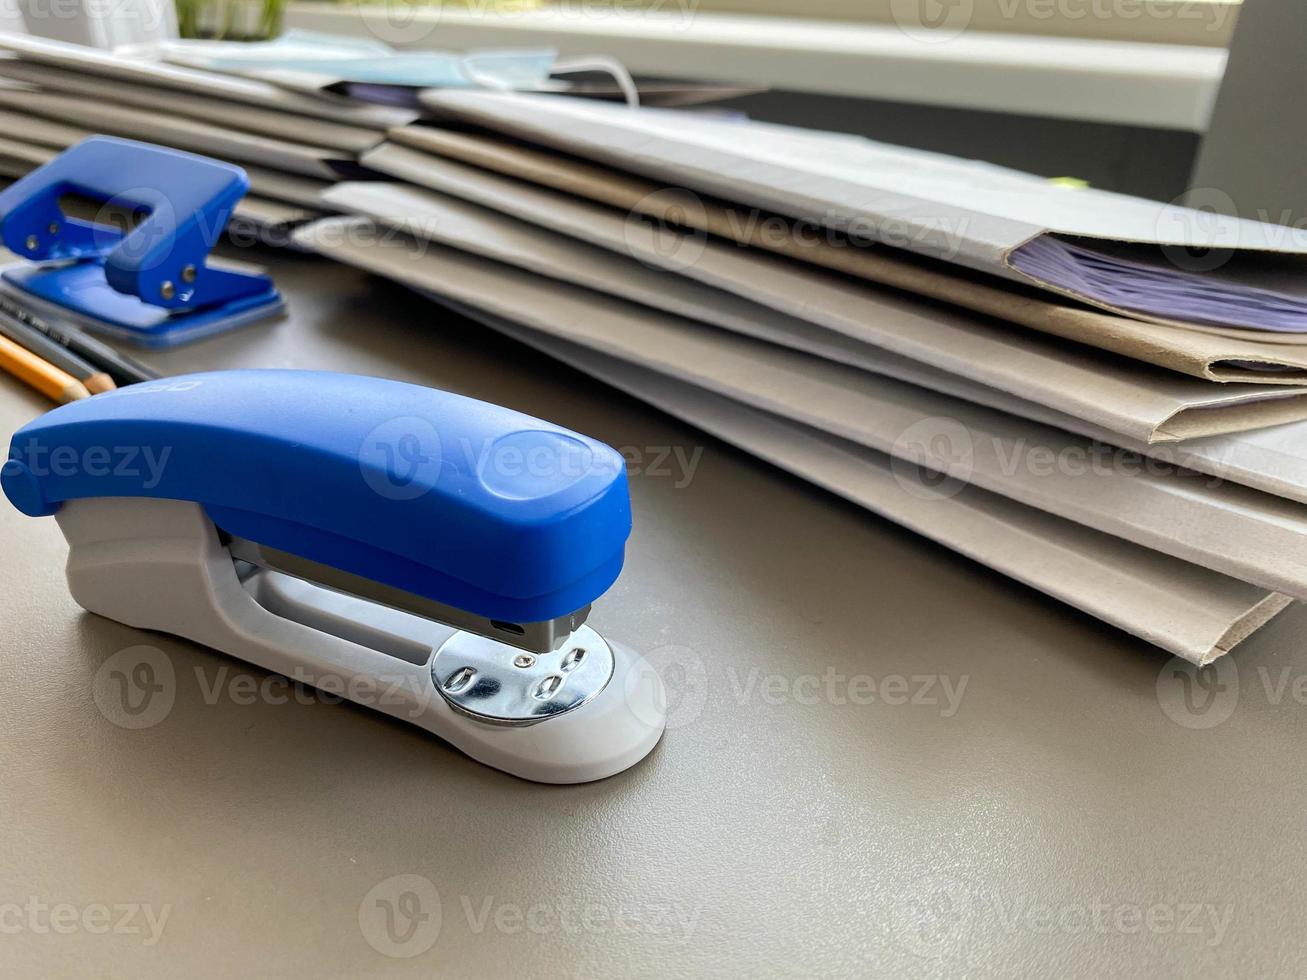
(371, 62)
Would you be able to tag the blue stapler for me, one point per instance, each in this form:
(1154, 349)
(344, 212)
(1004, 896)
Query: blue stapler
(413, 550)
(154, 285)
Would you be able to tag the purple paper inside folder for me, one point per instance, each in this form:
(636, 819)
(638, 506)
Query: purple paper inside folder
(1156, 290)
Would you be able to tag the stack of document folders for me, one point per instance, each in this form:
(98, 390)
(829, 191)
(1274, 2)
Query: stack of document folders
(1099, 396)
(1102, 397)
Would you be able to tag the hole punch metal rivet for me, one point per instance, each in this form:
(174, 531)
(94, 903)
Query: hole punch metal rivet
(54, 227)
(524, 660)
(167, 290)
(31, 243)
(188, 274)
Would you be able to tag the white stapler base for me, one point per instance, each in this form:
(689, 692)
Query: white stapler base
(158, 564)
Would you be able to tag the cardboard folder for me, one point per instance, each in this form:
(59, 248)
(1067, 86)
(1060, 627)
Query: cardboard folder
(1231, 529)
(1249, 356)
(992, 219)
(279, 124)
(32, 141)
(186, 134)
(1184, 609)
(1187, 610)
(245, 91)
(1273, 460)
(1137, 401)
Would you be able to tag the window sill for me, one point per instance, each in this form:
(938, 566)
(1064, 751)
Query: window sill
(1156, 85)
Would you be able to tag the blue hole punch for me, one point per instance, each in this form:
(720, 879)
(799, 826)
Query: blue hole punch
(154, 285)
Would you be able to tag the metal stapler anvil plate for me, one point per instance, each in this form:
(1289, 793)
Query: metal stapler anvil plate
(154, 285)
(423, 553)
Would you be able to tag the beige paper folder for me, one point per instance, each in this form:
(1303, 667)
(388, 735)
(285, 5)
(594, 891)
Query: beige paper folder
(19, 156)
(963, 211)
(279, 124)
(255, 212)
(481, 231)
(41, 132)
(1228, 528)
(185, 134)
(1251, 356)
(1186, 610)
(1273, 460)
(1137, 401)
(245, 91)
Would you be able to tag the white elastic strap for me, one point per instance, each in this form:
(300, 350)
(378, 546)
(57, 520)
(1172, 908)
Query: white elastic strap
(603, 63)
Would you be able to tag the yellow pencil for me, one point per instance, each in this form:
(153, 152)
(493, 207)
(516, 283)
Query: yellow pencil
(40, 374)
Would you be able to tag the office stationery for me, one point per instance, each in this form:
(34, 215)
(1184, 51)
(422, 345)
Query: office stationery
(154, 285)
(122, 369)
(1239, 532)
(287, 188)
(1135, 400)
(1249, 356)
(1188, 611)
(470, 228)
(268, 218)
(258, 216)
(469, 541)
(1271, 459)
(186, 134)
(970, 213)
(49, 380)
(93, 378)
(18, 157)
(281, 124)
(247, 91)
(38, 131)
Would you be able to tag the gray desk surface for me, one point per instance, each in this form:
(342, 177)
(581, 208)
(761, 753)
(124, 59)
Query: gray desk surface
(1060, 821)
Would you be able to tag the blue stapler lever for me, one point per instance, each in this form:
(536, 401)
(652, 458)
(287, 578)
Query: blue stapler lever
(413, 550)
(154, 285)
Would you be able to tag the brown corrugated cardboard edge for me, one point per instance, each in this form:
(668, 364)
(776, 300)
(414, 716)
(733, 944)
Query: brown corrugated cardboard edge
(1212, 355)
